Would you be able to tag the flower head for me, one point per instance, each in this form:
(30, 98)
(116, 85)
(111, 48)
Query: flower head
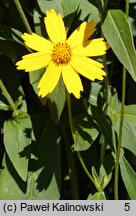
(64, 57)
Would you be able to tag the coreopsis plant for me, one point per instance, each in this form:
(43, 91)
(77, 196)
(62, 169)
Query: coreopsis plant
(53, 146)
(64, 57)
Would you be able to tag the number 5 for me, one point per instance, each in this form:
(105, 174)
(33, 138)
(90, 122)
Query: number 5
(127, 207)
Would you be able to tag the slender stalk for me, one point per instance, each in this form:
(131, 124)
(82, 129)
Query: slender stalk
(71, 161)
(127, 8)
(106, 97)
(106, 84)
(105, 5)
(22, 15)
(70, 115)
(84, 167)
(7, 96)
(120, 135)
(116, 180)
(72, 167)
(73, 135)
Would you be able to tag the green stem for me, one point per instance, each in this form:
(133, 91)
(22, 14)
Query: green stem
(70, 115)
(23, 17)
(106, 84)
(116, 180)
(103, 10)
(7, 96)
(71, 161)
(73, 135)
(106, 96)
(105, 5)
(84, 167)
(127, 8)
(72, 167)
(120, 135)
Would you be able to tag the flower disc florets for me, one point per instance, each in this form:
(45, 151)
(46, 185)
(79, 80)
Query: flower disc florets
(61, 53)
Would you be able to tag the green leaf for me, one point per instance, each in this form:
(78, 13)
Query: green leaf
(117, 31)
(35, 78)
(45, 162)
(85, 133)
(114, 105)
(97, 196)
(81, 144)
(70, 6)
(130, 114)
(10, 181)
(97, 181)
(129, 177)
(44, 168)
(17, 136)
(96, 3)
(61, 6)
(10, 34)
(108, 166)
(47, 5)
(105, 125)
(20, 104)
(4, 106)
(106, 169)
(88, 11)
(129, 127)
(64, 7)
(57, 100)
(101, 181)
(37, 22)
(85, 9)
(95, 89)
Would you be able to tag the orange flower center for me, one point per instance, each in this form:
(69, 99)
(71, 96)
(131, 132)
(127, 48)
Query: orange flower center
(61, 53)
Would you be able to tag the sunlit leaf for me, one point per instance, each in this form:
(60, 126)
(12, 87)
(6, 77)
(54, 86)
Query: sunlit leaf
(88, 11)
(35, 78)
(61, 6)
(57, 100)
(85, 133)
(129, 177)
(129, 126)
(118, 33)
(97, 196)
(95, 88)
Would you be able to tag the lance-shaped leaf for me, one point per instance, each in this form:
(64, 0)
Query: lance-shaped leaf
(118, 33)
(129, 177)
(17, 136)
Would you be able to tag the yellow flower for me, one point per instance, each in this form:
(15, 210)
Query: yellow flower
(64, 57)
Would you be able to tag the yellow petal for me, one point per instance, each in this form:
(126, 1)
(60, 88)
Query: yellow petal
(49, 80)
(37, 42)
(55, 26)
(82, 33)
(88, 68)
(72, 80)
(34, 61)
(95, 47)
